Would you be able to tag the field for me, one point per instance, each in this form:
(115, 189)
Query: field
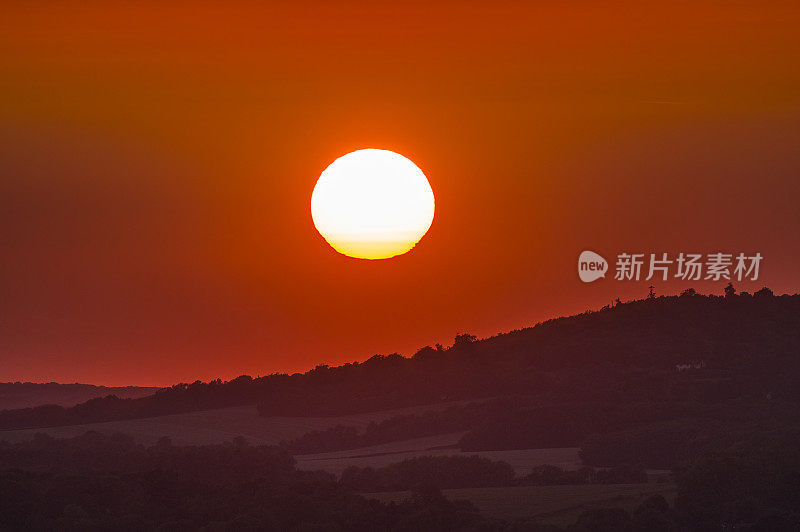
(216, 426)
(382, 455)
(559, 505)
(556, 505)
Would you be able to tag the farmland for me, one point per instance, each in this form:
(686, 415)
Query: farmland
(224, 424)
(556, 505)
(382, 455)
(216, 426)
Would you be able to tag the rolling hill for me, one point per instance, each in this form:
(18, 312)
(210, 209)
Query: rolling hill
(690, 347)
(16, 395)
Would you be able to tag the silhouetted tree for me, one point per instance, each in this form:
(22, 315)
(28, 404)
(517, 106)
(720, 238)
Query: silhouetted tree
(463, 340)
(730, 291)
(764, 293)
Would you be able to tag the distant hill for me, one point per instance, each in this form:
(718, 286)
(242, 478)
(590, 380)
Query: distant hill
(688, 348)
(15, 395)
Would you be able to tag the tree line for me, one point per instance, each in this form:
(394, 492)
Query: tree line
(100, 482)
(627, 352)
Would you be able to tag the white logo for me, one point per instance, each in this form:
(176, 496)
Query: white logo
(591, 266)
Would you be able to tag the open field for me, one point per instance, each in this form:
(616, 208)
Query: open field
(224, 424)
(557, 505)
(215, 426)
(382, 455)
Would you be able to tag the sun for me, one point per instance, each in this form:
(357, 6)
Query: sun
(372, 204)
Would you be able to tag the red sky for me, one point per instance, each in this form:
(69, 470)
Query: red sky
(156, 169)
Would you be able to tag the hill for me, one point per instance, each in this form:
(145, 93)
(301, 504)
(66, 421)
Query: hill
(706, 386)
(691, 347)
(16, 395)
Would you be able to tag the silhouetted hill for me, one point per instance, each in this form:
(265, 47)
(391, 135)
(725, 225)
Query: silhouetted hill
(679, 348)
(688, 348)
(27, 394)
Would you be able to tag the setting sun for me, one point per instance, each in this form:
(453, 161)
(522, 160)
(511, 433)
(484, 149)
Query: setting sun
(372, 204)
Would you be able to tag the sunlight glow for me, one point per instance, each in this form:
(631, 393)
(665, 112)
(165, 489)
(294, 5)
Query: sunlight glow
(372, 204)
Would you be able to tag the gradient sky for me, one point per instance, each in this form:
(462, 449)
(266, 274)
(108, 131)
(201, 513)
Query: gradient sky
(157, 164)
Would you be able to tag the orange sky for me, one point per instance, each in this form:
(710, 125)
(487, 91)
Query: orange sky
(157, 164)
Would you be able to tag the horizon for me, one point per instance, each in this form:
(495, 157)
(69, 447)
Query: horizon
(408, 354)
(159, 165)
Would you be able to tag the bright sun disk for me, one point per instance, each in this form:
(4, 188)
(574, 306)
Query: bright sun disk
(372, 204)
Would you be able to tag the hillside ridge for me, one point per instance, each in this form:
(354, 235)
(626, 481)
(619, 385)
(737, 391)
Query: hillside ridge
(744, 344)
